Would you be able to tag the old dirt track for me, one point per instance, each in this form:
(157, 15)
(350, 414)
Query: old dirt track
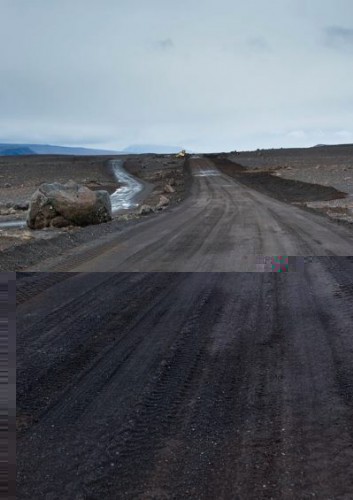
(186, 385)
(222, 226)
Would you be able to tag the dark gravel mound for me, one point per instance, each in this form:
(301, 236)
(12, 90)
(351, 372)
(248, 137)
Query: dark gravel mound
(282, 189)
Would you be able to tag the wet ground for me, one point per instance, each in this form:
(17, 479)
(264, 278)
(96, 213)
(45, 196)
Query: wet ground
(132, 191)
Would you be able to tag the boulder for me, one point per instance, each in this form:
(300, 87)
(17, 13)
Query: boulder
(69, 204)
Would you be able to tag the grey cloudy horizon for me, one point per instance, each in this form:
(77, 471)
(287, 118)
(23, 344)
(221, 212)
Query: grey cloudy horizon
(203, 75)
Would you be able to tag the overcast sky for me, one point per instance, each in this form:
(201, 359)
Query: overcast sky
(207, 75)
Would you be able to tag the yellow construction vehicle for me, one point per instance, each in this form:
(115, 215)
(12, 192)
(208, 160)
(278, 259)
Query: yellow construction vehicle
(182, 154)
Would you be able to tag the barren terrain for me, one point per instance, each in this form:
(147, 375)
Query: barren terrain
(326, 166)
(24, 174)
(223, 210)
(20, 177)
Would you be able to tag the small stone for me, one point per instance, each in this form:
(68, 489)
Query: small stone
(169, 189)
(145, 210)
(163, 201)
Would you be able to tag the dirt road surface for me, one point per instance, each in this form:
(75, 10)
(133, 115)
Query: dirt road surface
(186, 385)
(222, 226)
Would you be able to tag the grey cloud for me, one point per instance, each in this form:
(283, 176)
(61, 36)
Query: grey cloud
(259, 44)
(229, 75)
(339, 37)
(165, 44)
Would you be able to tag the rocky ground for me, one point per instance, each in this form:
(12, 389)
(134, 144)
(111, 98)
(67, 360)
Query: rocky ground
(319, 179)
(221, 226)
(164, 173)
(19, 178)
(324, 166)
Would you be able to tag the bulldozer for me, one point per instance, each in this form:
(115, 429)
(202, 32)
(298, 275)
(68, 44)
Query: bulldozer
(182, 154)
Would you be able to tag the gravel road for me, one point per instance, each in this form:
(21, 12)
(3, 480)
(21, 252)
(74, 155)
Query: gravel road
(186, 385)
(222, 226)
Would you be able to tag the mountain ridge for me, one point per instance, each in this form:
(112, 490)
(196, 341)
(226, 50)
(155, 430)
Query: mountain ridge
(19, 149)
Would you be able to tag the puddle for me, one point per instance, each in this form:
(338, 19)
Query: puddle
(207, 173)
(124, 197)
(12, 224)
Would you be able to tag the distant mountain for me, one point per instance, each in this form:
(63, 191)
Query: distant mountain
(39, 149)
(16, 151)
(333, 146)
(151, 148)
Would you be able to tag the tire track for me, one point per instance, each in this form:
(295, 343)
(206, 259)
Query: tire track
(200, 385)
(33, 284)
(159, 413)
(86, 346)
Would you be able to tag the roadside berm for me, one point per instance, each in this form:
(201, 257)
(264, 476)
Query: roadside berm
(70, 204)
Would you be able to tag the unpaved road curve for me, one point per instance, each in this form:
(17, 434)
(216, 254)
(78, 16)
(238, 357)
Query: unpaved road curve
(186, 385)
(222, 226)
